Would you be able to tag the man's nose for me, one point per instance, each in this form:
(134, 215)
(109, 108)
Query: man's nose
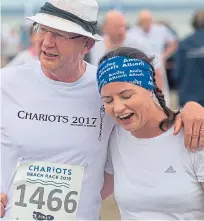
(49, 40)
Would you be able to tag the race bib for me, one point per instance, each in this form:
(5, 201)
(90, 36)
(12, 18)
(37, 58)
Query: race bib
(46, 191)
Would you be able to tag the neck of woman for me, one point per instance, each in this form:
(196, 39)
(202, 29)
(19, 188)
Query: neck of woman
(151, 128)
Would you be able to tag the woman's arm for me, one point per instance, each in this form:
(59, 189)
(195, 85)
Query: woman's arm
(108, 185)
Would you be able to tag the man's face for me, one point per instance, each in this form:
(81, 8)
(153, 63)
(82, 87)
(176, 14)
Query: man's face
(146, 23)
(56, 50)
(116, 30)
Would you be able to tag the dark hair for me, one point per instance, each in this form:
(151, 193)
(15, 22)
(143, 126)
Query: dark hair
(198, 20)
(135, 53)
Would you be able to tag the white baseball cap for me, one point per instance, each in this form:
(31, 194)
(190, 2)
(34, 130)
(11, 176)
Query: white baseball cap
(76, 16)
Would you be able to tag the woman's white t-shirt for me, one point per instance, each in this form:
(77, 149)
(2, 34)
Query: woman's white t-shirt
(156, 178)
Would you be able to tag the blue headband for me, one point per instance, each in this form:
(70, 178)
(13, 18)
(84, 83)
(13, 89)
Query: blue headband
(125, 69)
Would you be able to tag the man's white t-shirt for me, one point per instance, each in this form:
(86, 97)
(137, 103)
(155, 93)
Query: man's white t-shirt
(156, 178)
(50, 121)
(156, 38)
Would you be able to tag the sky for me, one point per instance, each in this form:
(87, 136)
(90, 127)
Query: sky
(6, 3)
(14, 11)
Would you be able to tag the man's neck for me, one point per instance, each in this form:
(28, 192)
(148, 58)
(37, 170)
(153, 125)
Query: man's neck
(146, 30)
(111, 44)
(68, 76)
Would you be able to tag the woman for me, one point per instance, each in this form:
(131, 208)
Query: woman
(155, 177)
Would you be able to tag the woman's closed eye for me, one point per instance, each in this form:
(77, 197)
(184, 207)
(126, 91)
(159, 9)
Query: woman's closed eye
(126, 94)
(107, 100)
(126, 97)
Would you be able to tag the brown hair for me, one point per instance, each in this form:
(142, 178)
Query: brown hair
(135, 53)
(198, 19)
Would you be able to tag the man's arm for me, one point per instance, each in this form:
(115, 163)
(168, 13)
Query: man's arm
(192, 119)
(171, 42)
(3, 203)
(171, 48)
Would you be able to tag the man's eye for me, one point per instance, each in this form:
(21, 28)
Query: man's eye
(62, 37)
(43, 30)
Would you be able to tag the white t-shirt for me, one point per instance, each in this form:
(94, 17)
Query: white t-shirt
(46, 120)
(22, 58)
(156, 178)
(156, 38)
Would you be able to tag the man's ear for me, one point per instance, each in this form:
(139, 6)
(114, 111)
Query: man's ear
(89, 43)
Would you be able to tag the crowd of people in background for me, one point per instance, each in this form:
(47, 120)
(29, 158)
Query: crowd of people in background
(174, 61)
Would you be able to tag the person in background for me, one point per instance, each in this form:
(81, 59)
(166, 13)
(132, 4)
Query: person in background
(114, 31)
(156, 35)
(10, 43)
(189, 72)
(28, 54)
(170, 62)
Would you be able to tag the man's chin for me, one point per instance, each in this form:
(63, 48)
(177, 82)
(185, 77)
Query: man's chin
(48, 65)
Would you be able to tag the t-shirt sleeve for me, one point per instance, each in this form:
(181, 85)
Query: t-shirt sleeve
(111, 146)
(109, 164)
(198, 164)
(169, 36)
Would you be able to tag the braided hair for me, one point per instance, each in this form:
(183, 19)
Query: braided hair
(135, 53)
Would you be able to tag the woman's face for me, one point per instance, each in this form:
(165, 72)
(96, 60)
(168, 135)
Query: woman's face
(128, 104)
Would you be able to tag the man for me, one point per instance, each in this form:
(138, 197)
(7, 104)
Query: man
(60, 118)
(115, 35)
(52, 163)
(190, 64)
(157, 36)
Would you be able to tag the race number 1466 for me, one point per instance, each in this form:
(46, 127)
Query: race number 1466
(54, 200)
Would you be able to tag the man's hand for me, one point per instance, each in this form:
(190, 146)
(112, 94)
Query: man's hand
(3, 202)
(192, 118)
